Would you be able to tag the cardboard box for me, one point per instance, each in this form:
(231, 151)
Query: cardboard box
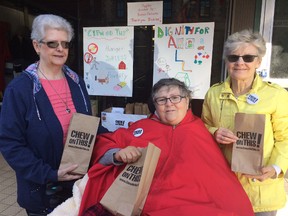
(137, 108)
(114, 120)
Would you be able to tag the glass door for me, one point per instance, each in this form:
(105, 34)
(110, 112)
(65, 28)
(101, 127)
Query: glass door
(274, 28)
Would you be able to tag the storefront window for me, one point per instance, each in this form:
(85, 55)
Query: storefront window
(167, 8)
(121, 8)
(274, 27)
(279, 57)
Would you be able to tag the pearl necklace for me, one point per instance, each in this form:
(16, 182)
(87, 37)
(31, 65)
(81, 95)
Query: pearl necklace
(65, 102)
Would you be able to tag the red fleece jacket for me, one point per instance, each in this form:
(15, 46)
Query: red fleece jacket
(192, 177)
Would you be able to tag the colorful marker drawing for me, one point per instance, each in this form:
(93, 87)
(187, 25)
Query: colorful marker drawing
(119, 86)
(88, 57)
(122, 66)
(187, 48)
(179, 60)
(93, 48)
(104, 80)
(111, 74)
(93, 64)
(190, 43)
(201, 48)
(163, 67)
(182, 76)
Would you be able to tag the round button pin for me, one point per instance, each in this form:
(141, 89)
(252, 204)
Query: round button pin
(138, 132)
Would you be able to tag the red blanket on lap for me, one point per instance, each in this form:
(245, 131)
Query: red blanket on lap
(192, 177)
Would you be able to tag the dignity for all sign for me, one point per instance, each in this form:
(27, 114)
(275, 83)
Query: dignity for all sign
(184, 51)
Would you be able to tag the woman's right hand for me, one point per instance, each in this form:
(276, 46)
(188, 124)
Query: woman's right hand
(225, 136)
(129, 154)
(64, 173)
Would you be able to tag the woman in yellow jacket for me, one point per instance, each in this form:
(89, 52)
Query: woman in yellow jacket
(244, 91)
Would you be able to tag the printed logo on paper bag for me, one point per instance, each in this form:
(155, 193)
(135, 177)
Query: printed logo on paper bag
(248, 140)
(80, 140)
(132, 175)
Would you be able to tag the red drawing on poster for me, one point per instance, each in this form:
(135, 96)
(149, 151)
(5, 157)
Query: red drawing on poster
(88, 58)
(122, 66)
(93, 48)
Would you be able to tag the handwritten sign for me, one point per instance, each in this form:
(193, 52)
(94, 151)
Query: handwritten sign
(184, 51)
(108, 60)
(145, 13)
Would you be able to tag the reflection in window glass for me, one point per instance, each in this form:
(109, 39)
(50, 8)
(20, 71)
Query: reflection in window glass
(121, 8)
(279, 58)
(167, 8)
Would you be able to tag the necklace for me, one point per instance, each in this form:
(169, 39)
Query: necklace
(65, 102)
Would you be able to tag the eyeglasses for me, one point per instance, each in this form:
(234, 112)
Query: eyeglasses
(55, 44)
(246, 58)
(174, 100)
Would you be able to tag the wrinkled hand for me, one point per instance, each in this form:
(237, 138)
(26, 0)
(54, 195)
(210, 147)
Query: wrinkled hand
(64, 173)
(129, 154)
(225, 136)
(267, 172)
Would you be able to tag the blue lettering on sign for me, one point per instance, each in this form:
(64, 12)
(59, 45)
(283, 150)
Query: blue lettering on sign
(138, 132)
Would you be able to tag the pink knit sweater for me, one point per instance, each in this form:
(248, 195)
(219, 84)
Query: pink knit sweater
(58, 101)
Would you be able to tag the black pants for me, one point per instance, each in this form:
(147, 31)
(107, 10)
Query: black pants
(56, 193)
(42, 213)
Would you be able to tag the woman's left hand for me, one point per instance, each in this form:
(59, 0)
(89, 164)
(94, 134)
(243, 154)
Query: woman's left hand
(64, 173)
(267, 172)
(225, 136)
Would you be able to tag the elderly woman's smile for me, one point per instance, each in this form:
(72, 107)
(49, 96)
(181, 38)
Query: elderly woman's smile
(171, 105)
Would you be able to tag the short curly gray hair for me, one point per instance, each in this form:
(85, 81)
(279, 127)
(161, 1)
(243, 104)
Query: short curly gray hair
(49, 21)
(238, 39)
(184, 90)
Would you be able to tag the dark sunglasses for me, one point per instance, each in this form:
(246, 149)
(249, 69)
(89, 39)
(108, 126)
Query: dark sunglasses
(55, 44)
(246, 58)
